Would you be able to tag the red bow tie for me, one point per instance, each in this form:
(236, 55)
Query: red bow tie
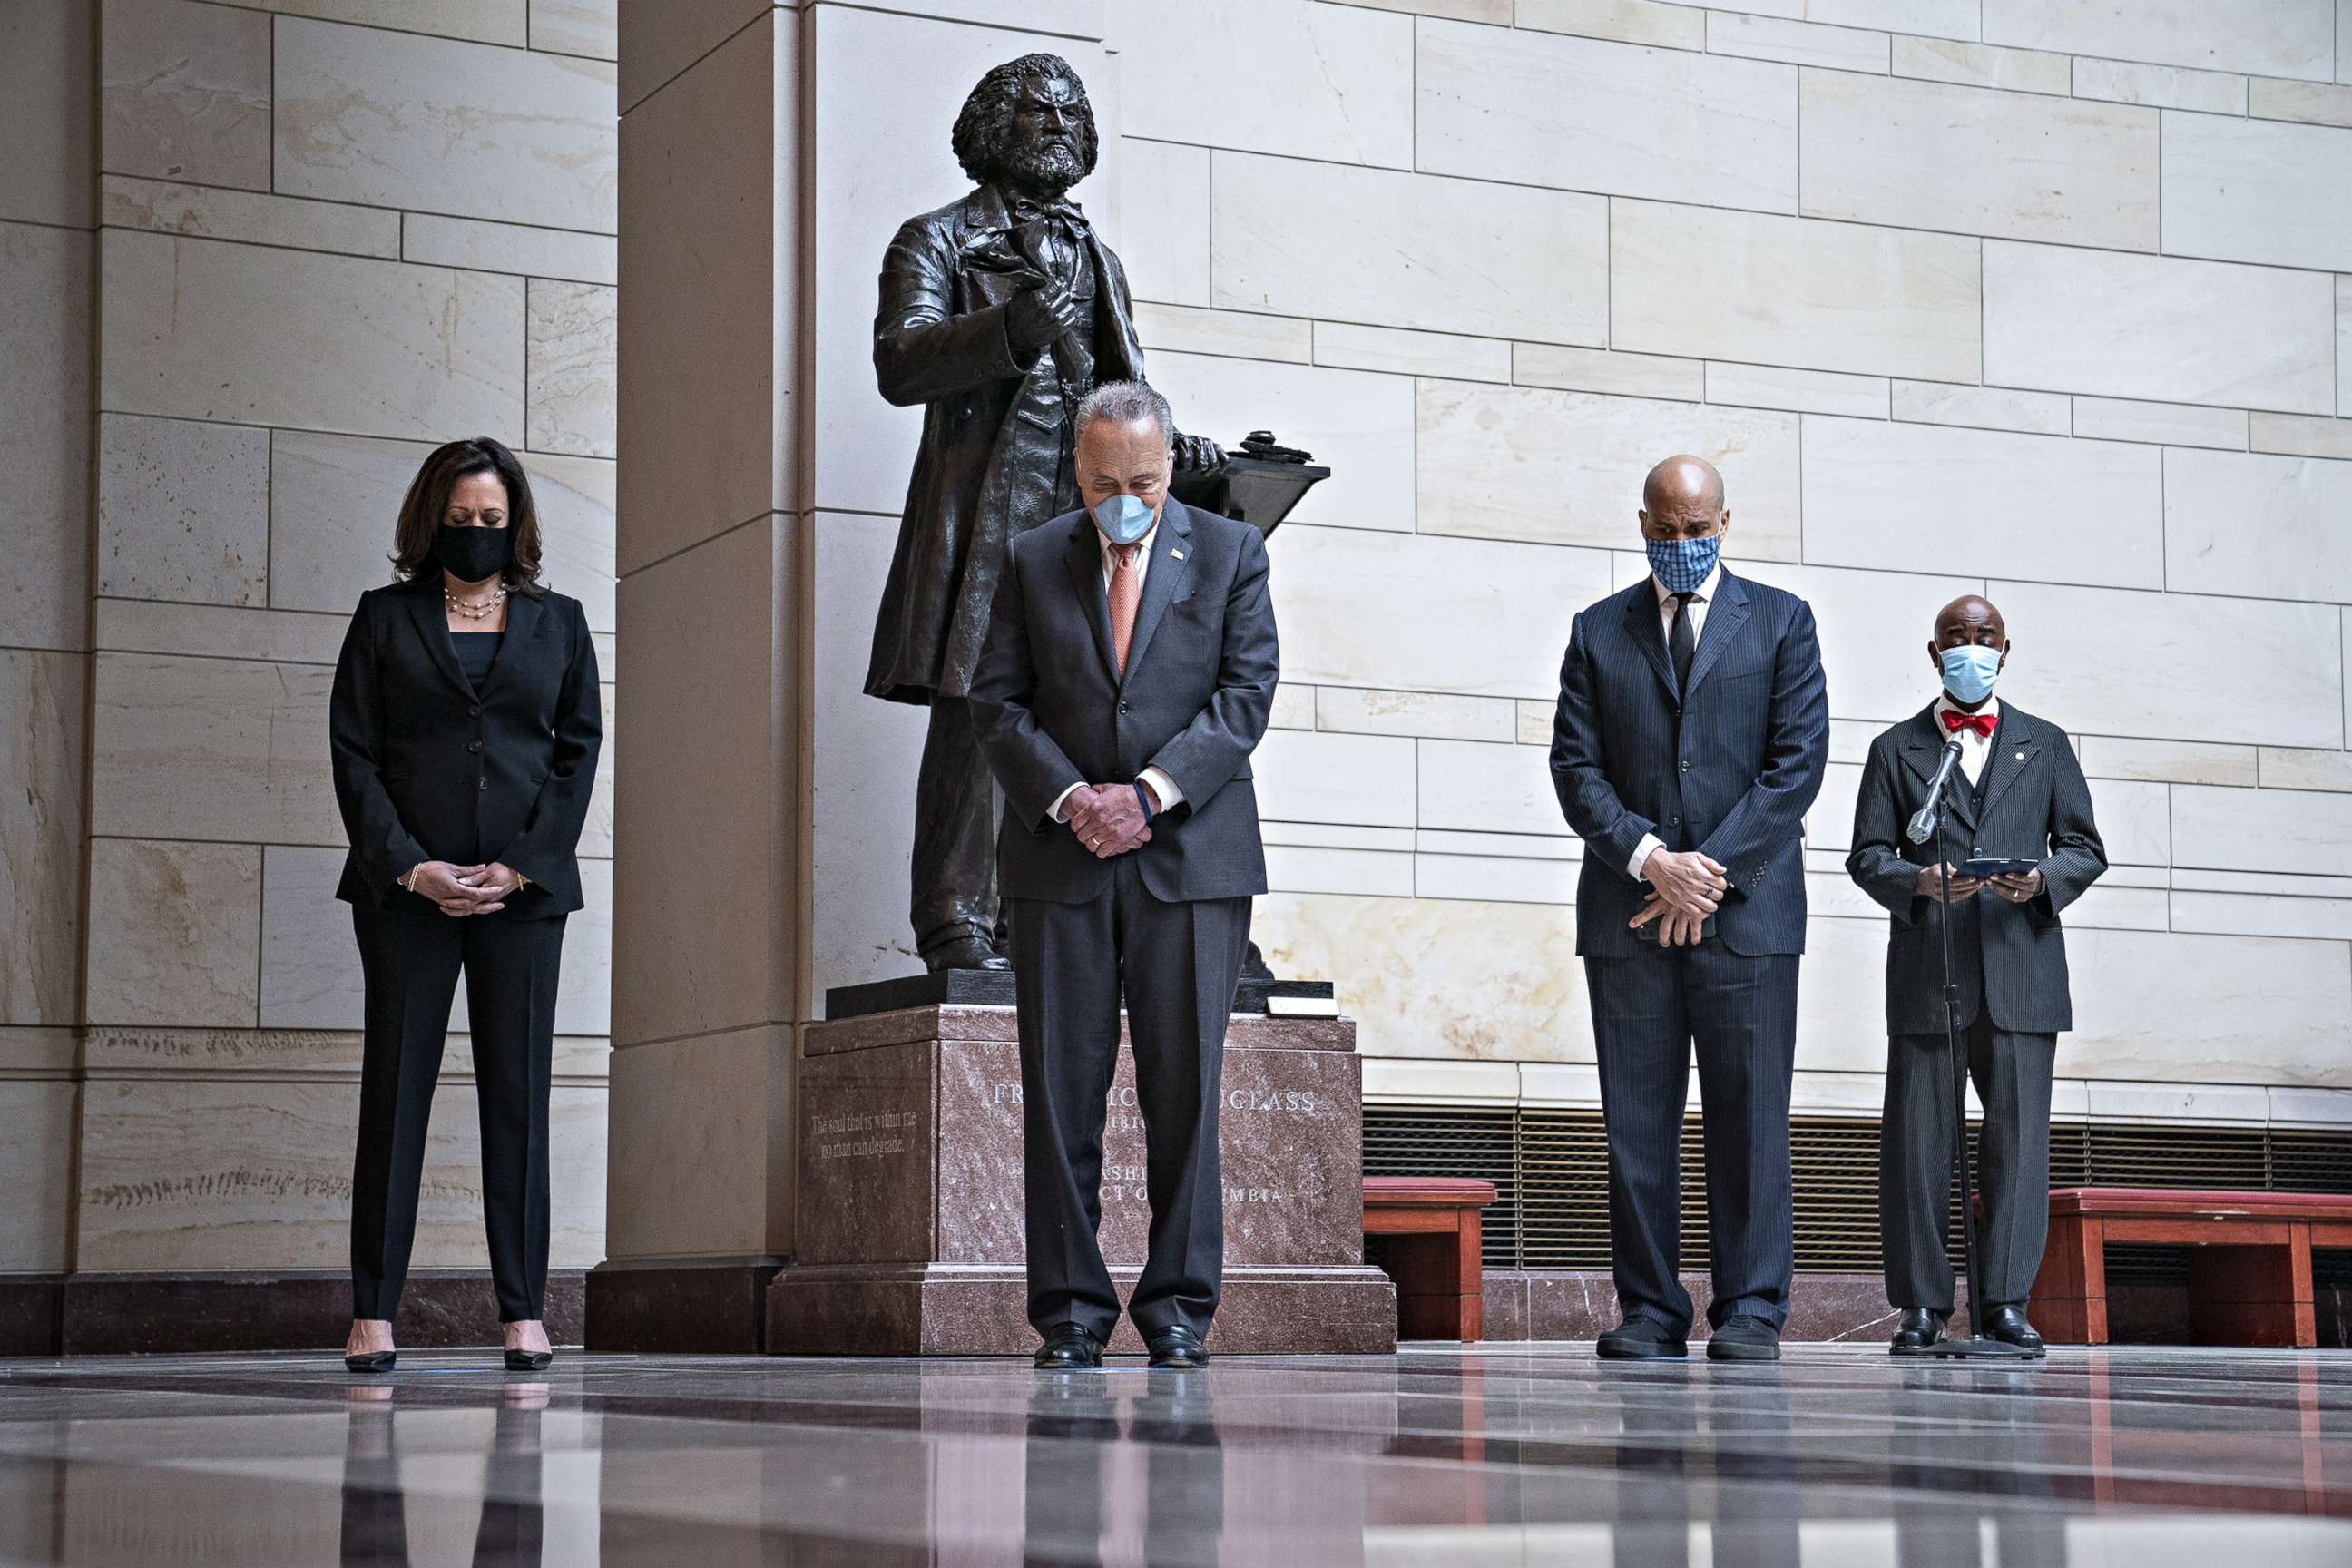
(1983, 723)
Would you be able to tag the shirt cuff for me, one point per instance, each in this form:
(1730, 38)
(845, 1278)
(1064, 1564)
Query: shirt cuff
(1162, 787)
(1063, 799)
(1642, 852)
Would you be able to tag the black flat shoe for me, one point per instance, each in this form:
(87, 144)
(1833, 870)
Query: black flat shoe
(1069, 1348)
(1916, 1328)
(2008, 1325)
(1743, 1338)
(1178, 1349)
(374, 1361)
(965, 953)
(528, 1361)
(1639, 1338)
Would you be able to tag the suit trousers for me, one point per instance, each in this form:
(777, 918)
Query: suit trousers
(1739, 1011)
(410, 957)
(1177, 964)
(2011, 1073)
(957, 803)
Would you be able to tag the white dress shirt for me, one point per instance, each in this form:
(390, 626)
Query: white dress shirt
(1161, 786)
(1667, 608)
(1974, 747)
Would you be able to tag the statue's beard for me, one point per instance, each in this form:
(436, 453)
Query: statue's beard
(1048, 170)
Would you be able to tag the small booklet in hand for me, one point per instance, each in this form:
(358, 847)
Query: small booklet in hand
(1991, 867)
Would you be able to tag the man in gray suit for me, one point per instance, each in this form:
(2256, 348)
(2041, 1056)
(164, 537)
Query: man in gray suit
(1128, 675)
(2018, 793)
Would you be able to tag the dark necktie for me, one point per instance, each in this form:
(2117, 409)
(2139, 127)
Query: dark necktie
(1684, 644)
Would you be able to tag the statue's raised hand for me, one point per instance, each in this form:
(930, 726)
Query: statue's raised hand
(1037, 318)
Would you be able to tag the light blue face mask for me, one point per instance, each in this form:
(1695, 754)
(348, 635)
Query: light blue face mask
(1682, 564)
(1969, 672)
(1123, 519)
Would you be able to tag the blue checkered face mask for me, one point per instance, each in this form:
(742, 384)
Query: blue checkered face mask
(1123, 519)
(1969, 672)
(1682, 564)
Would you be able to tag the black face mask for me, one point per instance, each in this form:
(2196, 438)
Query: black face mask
(473, 554)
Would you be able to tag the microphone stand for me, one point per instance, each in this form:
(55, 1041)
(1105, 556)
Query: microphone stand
(1977, 1342)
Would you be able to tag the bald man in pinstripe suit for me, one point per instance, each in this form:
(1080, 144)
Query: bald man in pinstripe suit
(1690, 738)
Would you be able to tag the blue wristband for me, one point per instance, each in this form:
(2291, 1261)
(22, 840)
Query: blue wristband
(1143, 798)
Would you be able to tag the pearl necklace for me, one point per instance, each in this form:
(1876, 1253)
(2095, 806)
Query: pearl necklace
(476, 611)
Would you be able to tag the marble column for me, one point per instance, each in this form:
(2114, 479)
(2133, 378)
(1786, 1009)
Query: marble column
(768, 152)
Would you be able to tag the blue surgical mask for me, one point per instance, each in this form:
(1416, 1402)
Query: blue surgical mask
(1682, 564)
(1123, 519)
(1969, 672)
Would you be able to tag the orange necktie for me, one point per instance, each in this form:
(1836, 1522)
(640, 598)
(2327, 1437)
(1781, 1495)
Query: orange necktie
(1126, 598)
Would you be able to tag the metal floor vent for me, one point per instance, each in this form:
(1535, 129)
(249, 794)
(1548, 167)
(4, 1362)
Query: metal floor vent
(1550, 1171)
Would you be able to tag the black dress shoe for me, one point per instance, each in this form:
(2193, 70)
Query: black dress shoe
(2008, 1325)
(1640, 1339)
(1178, 1349)
(528, 1361)
(373, 1360)
(1743, 1338)
(1068, 1349)
(965, 953)
(1916, 1328)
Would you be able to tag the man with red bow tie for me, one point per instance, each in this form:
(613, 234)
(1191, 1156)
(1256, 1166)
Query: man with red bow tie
(2018, 793)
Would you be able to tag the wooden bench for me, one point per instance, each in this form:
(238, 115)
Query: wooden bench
(2249, 1259)
(1429, 1227)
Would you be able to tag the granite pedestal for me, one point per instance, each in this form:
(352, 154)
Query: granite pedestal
(911, 1201)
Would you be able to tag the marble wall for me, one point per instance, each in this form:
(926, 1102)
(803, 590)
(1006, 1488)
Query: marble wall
(2044, 300)
(315, 238)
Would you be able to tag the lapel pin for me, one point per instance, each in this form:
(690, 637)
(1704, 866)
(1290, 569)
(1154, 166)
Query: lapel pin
(1175, 555)
(2020, 756)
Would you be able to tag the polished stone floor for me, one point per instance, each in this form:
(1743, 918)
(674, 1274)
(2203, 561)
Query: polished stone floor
(2137, 1458)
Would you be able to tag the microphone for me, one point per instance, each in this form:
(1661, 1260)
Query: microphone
(1923, 821)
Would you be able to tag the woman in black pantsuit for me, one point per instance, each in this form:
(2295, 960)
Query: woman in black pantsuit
(465, 727)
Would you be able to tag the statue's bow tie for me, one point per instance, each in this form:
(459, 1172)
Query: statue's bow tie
(1066, 212)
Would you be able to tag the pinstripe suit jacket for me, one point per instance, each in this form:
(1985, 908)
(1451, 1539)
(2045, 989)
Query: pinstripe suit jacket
(1727, 768)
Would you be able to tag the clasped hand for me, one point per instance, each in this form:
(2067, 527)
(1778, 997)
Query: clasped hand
(462, 891)
(1109, 819)
(1686, 888)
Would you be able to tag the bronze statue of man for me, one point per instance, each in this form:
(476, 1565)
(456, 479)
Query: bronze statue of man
(999, 312)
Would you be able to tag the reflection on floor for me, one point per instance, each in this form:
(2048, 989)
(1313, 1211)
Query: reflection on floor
(1518, 1455)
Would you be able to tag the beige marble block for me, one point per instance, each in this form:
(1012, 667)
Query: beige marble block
(1433, 977)
(487, 246)
(285, 636)
(1294, 706)
(1233, 334)
(1370, 873)
(43, 699)
(1982, 407)
(185, 92)
(660, 39)
(1414, 612)
(182, 510)
(2169, 424)
(2255, 190)
(1565, 468)
(1350, 781)
(2313, 103)
(701, 1152)
(2160, 86)
(401, 120)
(1536, 722)
(2158, 328)
(1410, 250)
(1358, 423)
(2020, 165)
(570, 398)
(213, 213)
(1316, 82)
(1983, 65)
(1349, 346)
(1799, 391)
(1791, 291)
(2266, 675)
(2308, 831)
(2174, 1008)
(46, 324)
(2165, 761)
(485, 21)
(172, 1051)
(2301, 435)
(2275, 37)
(212, 748)
(174, 932)
(335, 500)
(1945, 18)
(1477, 786)
(706, 409)
(591, 27)
(2286, 769)
(48, 77)
(1495, 13)
(1602, 369)
(1167, 185)
(37, 1144)
(196, 329)
(1796, 43)
(1592, 116)
(2257, 524)
(246, 1173)
(1625, 21)
(2256, 914)
(1443, 715)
